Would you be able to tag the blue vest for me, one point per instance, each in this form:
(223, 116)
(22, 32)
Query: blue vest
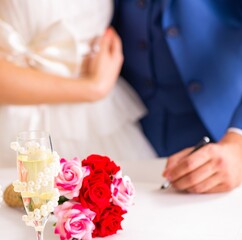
(184, 58)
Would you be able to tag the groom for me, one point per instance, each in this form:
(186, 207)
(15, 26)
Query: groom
(184, 58)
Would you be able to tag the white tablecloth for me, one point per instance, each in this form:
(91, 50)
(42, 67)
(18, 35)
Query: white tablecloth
(156, 215)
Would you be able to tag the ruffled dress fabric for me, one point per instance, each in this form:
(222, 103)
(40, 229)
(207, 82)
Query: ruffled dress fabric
(57, 36)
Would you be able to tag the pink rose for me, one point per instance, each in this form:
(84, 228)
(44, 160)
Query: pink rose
(122, 191)
(69, 180)
(74, 221)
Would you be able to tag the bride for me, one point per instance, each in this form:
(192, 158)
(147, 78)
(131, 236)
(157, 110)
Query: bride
(59, 66)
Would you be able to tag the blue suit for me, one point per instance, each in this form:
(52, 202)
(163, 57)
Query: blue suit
(192, 66)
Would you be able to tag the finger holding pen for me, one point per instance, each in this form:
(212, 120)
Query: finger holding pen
(174, 160)
(188, 167)
(171, 163)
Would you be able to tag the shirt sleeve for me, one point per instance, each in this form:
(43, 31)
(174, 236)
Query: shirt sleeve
(235, 130)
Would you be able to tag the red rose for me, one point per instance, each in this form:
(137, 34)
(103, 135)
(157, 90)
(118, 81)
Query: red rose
(95, 192)
(100, 191)
(98, 176)
(103, 163)
(109, 222)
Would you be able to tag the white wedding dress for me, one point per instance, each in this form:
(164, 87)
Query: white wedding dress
(55, 36)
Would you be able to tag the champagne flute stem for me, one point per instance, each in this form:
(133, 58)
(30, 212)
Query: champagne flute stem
(39, 235)
(39, 228)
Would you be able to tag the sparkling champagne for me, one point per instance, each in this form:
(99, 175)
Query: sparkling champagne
(39, 189)
(37, 166)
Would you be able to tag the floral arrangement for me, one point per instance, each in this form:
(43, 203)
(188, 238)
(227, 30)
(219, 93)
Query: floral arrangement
(94, 198)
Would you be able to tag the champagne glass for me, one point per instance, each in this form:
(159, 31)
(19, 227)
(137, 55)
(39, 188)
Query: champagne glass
(37, 167)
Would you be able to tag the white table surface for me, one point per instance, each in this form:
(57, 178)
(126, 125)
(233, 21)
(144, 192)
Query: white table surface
(156, 215)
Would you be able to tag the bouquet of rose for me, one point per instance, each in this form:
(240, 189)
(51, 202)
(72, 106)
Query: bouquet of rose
(94, 197)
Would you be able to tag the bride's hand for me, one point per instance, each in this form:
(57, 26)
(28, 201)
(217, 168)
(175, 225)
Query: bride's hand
(37, 87)
(106, 65)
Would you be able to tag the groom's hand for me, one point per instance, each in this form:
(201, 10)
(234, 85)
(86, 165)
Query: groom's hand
(217, 167)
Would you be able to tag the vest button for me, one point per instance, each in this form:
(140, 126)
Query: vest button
(194, 86)
(141, 3)
(172, 31)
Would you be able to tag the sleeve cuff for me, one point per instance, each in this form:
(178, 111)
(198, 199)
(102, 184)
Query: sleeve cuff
(235, 130)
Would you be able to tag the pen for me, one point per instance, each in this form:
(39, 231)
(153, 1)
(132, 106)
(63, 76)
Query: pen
(205, 140)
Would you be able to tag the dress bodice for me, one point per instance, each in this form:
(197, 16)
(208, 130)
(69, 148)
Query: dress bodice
(54, 35)
(57, 36)
(86, 19)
